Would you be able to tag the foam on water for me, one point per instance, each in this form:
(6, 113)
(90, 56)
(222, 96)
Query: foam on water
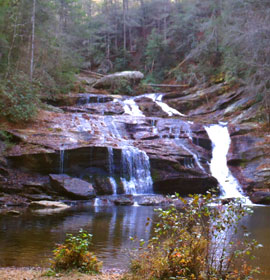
(220, 137)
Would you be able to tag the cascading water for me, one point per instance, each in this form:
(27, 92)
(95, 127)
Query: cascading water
(220, 137)
(131, 108)
(114, 185)
(136, 176)
(112, 127)
(195, 157)
(111, 170)
(157, 98)
(62, 158)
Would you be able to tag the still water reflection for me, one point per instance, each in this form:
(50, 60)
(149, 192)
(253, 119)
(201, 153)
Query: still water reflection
(28, 240)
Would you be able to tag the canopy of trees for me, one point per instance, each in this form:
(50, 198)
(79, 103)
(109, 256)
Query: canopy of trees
(46, 42)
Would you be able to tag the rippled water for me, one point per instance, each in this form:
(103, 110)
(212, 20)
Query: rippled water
(28, 240)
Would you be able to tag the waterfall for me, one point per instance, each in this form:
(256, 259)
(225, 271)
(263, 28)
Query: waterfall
(131, 108)
(114, 185)
(111, 170)
(195, 157)
(62, 158)
(220, 137)
(110, 160)
(112, 127)
(136, 175)
(157, 98)
(81, 124)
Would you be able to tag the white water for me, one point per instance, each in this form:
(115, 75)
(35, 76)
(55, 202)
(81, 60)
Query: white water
(82, 124)
(136, 175)
(98, 202)
(114, 185)
(195, 157)
(131, 108)
(157, 98)
(135, 165)
(109, 120)
(220, 137)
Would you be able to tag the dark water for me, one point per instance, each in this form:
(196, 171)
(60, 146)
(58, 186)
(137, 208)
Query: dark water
(28, 240)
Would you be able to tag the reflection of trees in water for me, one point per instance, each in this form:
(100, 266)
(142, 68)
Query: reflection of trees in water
(29, 239)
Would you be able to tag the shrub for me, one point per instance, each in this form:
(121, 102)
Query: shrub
(74, 254)
(197, 242)
(19, 99)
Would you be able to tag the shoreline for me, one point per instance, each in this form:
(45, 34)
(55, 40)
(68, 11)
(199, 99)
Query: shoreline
(36, 273)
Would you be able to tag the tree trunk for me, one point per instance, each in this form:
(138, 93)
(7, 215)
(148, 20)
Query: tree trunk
(143, 19)
(124, 26)
(12, 44)
(33, 40)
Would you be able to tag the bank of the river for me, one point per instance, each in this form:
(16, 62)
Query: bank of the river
(38, 273)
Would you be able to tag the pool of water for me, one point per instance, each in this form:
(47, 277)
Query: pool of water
(28, 240)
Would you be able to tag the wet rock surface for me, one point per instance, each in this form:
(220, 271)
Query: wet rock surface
(98, 136)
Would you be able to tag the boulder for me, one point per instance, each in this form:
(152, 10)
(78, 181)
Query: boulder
(38, 197)
(124, 200)
(72, 187)
(261, 197)
(13, 213)
(118, 79)
(103, 185)
(154, 200)
(47, 204)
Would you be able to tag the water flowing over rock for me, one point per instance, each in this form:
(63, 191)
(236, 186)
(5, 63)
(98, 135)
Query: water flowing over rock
(140, 145)
(136, 176)
(220, 138)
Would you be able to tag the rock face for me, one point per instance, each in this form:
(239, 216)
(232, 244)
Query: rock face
(118, 79)
(72, 187)
(122, 144)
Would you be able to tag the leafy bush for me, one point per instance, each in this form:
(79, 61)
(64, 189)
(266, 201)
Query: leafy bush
(19, 99)
(74, 254)
(199, 242)
(122, 86)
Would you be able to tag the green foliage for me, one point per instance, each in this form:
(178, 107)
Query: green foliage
(122, 86)
(19, 100)
(158, 56)
(197, 242)
(122, 61)
(7, 139)
(74, 254)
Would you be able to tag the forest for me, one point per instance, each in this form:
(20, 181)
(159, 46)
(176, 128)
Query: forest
(44, 43)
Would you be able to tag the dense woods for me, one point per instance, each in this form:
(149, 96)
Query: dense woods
(43, 43)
